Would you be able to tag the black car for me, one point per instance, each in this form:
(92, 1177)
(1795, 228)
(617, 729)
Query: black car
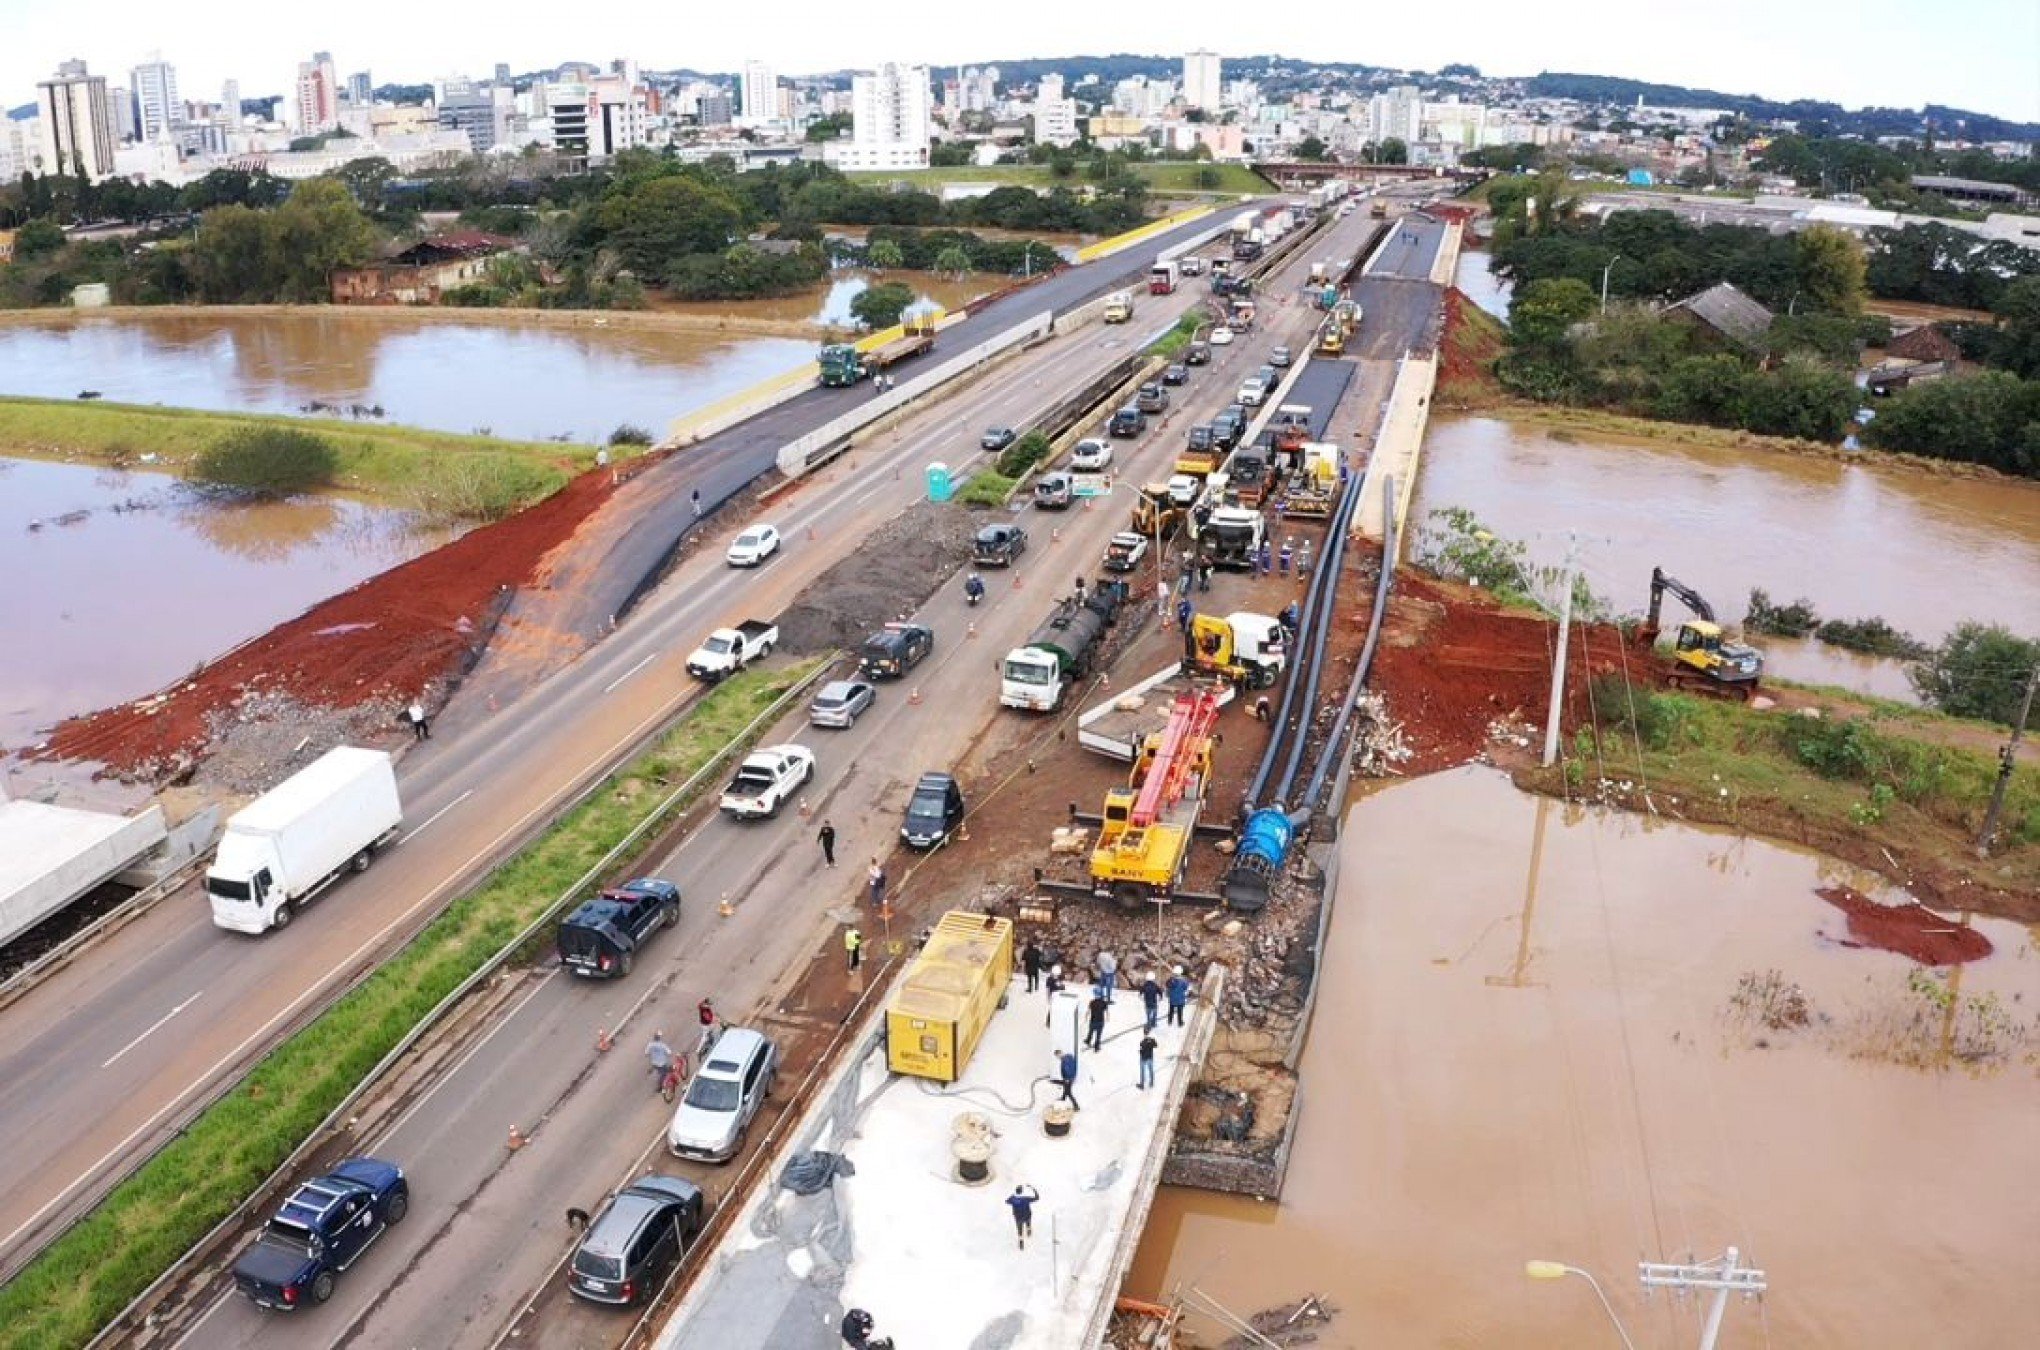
(1202, 437)
(321, 1230)
(933, 812)
(636, 1240)
(601, 937)
(998, 545)
(997, 438)
(893, 651)
(1128, 421)
(1229, 426)
(1197, 354)
(1176, 374)
(1151, 398)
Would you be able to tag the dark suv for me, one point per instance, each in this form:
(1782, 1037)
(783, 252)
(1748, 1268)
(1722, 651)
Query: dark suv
(935, 809)
(896, 649)
(601, 938)
(636, 1240)
(998, 545)
(1202, 437)
(1128, 421)
(327, 1223)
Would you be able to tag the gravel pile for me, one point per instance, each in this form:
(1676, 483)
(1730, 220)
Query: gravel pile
(889, 576)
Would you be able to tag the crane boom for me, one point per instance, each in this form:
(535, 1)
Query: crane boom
(1175, 758)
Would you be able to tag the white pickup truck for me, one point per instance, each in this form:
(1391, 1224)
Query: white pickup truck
(728, 650)
(766, 779)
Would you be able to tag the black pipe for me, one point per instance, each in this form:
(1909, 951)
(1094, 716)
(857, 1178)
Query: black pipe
(1367, 649)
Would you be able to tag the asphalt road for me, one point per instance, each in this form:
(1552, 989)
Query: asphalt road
(485, 1229)
(108, 1056)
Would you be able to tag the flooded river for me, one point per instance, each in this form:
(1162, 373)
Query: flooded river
(1921, 552)
(831, 306)
(130, 580)
(1481, 286)
(1529, 1045)
(522, 380)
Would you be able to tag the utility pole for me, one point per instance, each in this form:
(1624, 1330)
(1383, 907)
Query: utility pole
(2006, 758)
(1572, 555)
(1724, 1274)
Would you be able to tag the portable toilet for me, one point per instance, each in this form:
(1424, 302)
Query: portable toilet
(940, 486)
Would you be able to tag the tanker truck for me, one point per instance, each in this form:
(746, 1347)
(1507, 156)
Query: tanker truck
(1036, 675)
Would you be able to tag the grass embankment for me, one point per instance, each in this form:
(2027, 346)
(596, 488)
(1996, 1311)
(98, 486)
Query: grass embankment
(439, 472)
(1897, 789)
(150, 1220)
(1172, 343)
(1172, 176)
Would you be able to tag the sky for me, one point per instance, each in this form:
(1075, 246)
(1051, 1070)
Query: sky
(1983, 54)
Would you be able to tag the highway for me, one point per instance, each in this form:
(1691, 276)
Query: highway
(486, 1230)
(110, 1055)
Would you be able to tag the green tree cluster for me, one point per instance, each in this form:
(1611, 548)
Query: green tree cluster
(242, 254)
(1978, 670)
(266, 463)
(1992, 418)
(882, 305)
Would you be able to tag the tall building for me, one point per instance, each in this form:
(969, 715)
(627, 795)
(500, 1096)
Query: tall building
(1202, 85)
(120, 110)
(713, 110)
(1055, 117)
(360, 89)
(230, 101)
(758, 93)
(1396, 115)
(888, 121)
(318, 95)
(157, 109)
(77, 125)
(503, 72)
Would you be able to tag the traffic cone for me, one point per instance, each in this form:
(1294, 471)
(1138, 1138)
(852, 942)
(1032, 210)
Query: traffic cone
(726, 909)
(516, 1140)
(604, 1042)
(970, 630)
(1055, 535)
(915, 698)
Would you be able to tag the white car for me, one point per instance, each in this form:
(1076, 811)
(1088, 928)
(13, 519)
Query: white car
(1221, 336)
(1184, 489)
(1253, 393)
(753, 546)
(1091, 456)
(766, 779)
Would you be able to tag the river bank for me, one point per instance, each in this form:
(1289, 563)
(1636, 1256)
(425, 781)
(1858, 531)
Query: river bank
(660, 320)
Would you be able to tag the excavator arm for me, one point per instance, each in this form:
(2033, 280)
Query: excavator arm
(1690, 598)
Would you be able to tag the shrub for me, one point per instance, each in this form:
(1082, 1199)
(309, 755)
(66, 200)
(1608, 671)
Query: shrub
(1795, 620)
(1022, 455)
(986, 488)
(629, 433)
(266, 462)
(1977, 671)
(1873, 636)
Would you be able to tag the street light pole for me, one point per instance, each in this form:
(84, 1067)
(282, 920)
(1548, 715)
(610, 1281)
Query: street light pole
(1604, 280)
(1558, 1270)
(1572, 555)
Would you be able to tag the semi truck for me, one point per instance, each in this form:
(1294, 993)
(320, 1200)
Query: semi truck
(1036, 675)
(844, 363)
(293, 841)
(1162, 278)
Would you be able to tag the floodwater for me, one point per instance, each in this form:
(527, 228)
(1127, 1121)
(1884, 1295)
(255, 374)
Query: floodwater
(831, 305)
(1526, 1047)
(131, 580)
(1858, 540)
(1481, 286)
(522, 380)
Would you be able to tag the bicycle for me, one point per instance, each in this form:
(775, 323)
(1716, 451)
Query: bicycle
(673, 1077)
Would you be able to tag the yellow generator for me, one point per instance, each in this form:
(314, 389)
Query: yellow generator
(1144, 842)
(942, 1007)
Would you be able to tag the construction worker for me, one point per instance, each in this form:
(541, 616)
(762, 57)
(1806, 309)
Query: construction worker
(853, 946)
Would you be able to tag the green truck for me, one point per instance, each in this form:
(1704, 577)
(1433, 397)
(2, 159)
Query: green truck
(842, 364)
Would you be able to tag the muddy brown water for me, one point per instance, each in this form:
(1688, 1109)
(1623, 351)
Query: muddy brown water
(130, 580)
(1527, 1046)
(529, 381)
(1859, 540)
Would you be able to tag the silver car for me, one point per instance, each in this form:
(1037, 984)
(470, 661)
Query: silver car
(725, 1094)
(841, 702)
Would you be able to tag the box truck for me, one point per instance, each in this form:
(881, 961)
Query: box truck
(294, 840)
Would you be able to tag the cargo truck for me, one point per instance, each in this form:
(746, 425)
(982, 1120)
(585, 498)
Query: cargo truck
(1036, 675)
(844, 363)
(296, 839)
(1162, 278)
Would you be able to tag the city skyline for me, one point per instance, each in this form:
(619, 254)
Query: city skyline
(1857, 53)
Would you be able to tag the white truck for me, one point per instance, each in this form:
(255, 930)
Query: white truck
(728, 650)
(296, 839)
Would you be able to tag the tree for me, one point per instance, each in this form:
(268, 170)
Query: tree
(365, 178)
(316, 231)
(233, 256)
(1977, 671)
(828, 128)
(1394, 150)
(885, 253)
(1992, 418)
(881, 306)
(1831, 270)
(1207, 175)
(1543, 311)
(954, 258)
(2017, 344)
(39, 238)
(665, 219)
(1310, 147)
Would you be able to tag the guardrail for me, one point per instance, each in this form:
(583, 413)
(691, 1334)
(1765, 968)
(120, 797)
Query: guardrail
(1106, 247)
(697, 426)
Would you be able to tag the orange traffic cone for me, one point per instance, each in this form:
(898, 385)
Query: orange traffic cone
(517, 1139)
(915, 698)
(970, 630)
(604, 1042)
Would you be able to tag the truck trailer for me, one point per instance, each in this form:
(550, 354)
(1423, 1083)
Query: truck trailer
(845, 363)
(1162, 278)
(296, 839)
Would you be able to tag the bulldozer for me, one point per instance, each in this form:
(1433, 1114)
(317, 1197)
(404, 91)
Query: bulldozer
(1702, 657)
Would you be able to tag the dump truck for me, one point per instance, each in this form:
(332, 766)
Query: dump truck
(943, 1004)
(296, 839)
(1037, 674)
(845, 363)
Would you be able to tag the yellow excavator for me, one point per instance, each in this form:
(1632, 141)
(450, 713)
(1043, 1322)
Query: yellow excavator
(1702, 658)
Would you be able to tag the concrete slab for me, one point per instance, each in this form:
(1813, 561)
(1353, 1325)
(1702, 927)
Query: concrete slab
(51, 855)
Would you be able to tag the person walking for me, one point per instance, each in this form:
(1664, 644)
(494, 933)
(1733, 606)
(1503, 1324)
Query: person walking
(1030, 962)
(1183, 614)
(1150, 1000)
(1094, 1039)
(704, 1012)
(1204, 576)
(420, 728)
(661, 1056)
(1147, 1060)
(827, 837)
(1067, 1066)
(1283, 558)
(1108, 974)
(1178, 993)
(1022, 1201)
(1303, 561)
(853, 946)
(695, 500)
(875, 878)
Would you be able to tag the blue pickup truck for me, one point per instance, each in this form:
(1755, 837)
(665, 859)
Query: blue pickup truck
(325, 1225)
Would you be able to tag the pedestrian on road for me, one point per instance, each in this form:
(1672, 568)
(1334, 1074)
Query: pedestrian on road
(661, 1056)
(1264, 558)
(1204, 576)
(1030, 962)
(1263, 709)
(420, 728)
(1150, 999)
(876, 880)
(1080, 590)
(1183, 614)
(1178, 994)
(1162, 595)
(828, 841)
(1108, 974)
(1094, 1039)
(1147, 1060)
(696, 500)
(853, 946)
(1022, 1200)
(1068, 1066)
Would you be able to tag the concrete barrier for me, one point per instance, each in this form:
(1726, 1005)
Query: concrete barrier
(1398, 448)
(1106, 247)
(1445, 267)
(694, 427)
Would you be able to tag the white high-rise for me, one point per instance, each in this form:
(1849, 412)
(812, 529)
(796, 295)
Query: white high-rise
(758, 92)
(1203, 86)
(888, 121)
(77, 125)
(156, 107)
(1396, 115)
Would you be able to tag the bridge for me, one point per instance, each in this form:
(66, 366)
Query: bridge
(1306, 173)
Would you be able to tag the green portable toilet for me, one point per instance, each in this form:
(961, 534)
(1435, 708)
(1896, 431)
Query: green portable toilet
(940, 488)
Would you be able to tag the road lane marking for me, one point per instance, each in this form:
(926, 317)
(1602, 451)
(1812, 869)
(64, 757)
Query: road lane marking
(413, 834)
(453, 1071)
(612, 686)
(153, 1028)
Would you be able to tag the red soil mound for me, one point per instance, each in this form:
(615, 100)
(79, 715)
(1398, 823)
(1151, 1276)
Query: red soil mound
(1909, 929)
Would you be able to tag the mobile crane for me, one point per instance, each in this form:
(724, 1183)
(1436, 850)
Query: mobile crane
(1144, 842)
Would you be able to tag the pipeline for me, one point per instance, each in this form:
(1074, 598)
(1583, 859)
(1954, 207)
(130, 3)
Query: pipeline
(1390, 543)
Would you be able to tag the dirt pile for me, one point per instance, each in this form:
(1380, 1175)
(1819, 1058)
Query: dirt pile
(888, 577)
(1911, 930)
(406, 633)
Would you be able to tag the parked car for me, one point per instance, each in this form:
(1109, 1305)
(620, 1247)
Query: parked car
(753, 546)
(1253, 392)
(935, 809)
(1124, 552)
(1221, 336)
(1053, 491)
(723, 1096)
(1091, 456)
(894, 650)
(1229, 426)
(728, 650)
(636, 1240)
(997, 438)
(1197, 354)
(321, 1230)
(1128, 421)
(766, 779)
(1151, 398)
(602, 936)
(1175, 374)
(840, 703)
(1280, 358)
(998, 545)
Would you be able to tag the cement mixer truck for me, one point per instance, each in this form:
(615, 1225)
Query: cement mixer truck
(1035, 676)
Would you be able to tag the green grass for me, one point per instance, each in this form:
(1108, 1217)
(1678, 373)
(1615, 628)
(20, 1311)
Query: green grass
(1175, 176)
(443, 473)
(1176, 339)
(150, 1220)
(987, 487)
